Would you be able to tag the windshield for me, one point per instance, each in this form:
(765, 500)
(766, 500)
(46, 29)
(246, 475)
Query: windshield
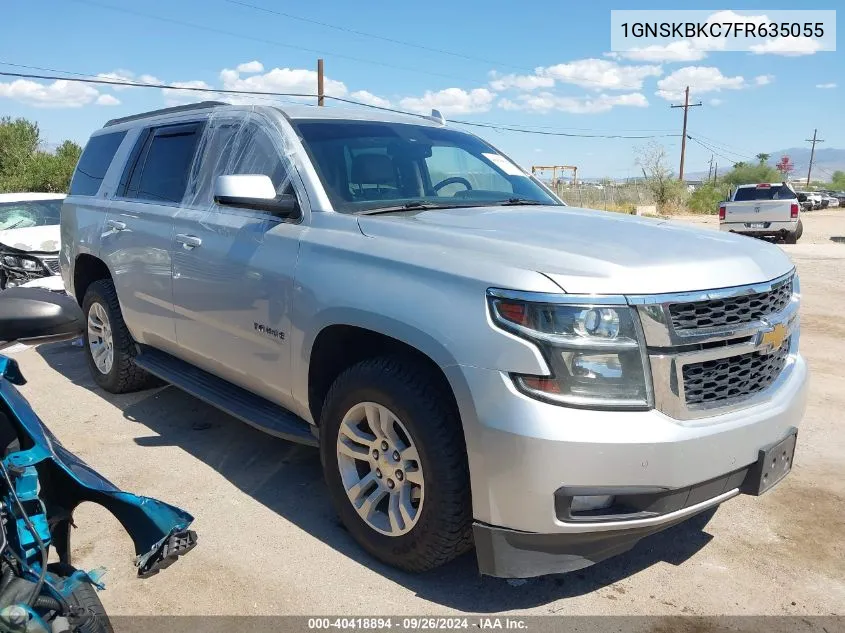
(21, 215)
(370, 165)
(777, 192)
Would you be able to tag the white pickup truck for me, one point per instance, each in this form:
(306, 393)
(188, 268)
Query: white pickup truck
(763, 210)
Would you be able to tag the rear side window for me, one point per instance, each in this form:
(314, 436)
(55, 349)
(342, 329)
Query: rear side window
(779, 192)
(160, 171)
(94, 163)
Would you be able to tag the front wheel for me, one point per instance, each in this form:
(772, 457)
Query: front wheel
(93, 618)
(394, 460)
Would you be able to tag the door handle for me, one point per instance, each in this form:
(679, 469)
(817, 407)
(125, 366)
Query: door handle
(116, 225)
(188, 241)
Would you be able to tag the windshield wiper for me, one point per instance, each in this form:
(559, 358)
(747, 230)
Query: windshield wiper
(421, 205)
(513, 202)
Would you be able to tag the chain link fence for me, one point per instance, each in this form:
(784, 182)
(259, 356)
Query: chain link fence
(622, 198)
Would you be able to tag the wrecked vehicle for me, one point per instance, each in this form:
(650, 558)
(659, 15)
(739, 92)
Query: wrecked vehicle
(41, 484)
(29, 237)
(477, 362)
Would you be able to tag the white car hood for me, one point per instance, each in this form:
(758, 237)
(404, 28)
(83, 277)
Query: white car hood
(38, 239)
(590, 252)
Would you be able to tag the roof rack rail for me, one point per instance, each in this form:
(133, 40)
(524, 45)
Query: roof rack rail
(182, 108)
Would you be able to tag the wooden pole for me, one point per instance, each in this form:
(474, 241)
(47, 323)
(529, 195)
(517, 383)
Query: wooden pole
(320, 95)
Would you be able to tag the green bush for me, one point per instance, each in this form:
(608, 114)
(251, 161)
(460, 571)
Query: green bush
(706, 198)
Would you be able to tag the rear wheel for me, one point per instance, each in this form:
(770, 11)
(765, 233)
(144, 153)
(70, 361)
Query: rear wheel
(394, 459)
(792, 238)
(109, 348)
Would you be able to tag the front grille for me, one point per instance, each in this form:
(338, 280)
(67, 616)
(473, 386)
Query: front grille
(733, 377)
(52, 265)
(697, 315)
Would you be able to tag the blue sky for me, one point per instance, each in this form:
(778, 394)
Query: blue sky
(545, 65)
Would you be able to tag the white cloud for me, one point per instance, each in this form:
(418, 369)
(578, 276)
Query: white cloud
(678, 51)
(173, 96)
(284, 80)
(369, 98)
(700, 79)
(764, 80)
(107, 100)
(520, 82)
(600, 74)
(127, 76)
(59, 94)
(787, 46)
(254, 66)
(715, 102)
(450, 101)
(546, 101)
(826, 86)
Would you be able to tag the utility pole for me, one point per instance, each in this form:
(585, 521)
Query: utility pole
(813, 140)
(687, 105)
(320, 96)
(716, 173)
(710, 169)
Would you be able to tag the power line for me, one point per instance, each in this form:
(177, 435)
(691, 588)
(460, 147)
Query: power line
(262, 40)
(88, 79)
(374, 35)
(319, 52)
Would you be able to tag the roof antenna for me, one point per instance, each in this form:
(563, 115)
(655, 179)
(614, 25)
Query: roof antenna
(437, 117)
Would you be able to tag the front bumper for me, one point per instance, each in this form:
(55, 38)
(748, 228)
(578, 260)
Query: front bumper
(522, 452)
(45, 265)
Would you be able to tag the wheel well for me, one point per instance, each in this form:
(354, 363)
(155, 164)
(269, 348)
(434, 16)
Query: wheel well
(86, 271)
(339, 347)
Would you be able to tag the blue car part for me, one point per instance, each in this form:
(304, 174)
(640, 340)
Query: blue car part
(158, 530)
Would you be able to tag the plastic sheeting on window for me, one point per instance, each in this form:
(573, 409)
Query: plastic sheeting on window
(237, 142)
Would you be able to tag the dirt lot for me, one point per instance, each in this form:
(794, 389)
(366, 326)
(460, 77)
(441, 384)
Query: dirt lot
(270, 544)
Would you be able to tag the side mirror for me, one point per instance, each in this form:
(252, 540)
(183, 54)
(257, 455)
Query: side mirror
(38, 315)
(802, 197)
(253, 191)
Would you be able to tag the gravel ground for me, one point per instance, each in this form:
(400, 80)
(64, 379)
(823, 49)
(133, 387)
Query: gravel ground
(270, 544)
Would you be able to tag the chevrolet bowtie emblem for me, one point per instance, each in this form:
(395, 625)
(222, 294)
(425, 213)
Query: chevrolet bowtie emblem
(771, 340)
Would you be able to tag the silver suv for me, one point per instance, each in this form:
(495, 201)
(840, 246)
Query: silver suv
(477, 362)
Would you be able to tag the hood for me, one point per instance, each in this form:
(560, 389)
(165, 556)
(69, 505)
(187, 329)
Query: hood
(37, 239)
(591, 252)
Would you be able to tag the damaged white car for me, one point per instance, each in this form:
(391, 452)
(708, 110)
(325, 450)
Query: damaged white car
(29, 239)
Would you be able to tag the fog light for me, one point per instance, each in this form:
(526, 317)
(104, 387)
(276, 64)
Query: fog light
(586, 503)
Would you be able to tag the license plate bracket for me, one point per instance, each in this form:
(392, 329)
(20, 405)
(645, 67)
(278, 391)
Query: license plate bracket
(773, 464)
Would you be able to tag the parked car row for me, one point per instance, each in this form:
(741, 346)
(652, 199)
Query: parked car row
(823, 199)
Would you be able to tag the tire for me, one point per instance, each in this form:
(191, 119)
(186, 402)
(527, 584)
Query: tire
(95, 619)
(442, 526)
(792, 238)
(121, 375)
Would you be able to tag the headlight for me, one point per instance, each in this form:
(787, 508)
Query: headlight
(30, 264)
(595, 351)
(11, 260)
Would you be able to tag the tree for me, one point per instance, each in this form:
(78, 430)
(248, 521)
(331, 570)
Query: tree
(763, 158)
(652, 160)
(745, 174)
(837, 181)
(24, 166)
